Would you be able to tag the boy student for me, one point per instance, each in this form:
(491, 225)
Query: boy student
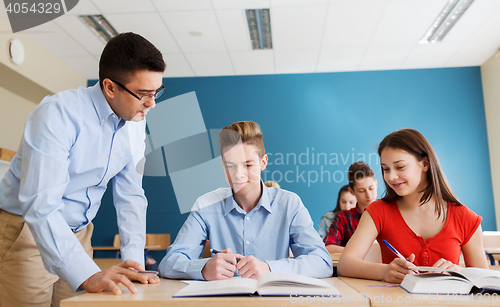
(73, 143)
(251, 225)
(363, 185)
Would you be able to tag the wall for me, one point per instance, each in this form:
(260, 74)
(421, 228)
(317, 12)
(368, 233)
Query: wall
(15, 110)
(490, 73)
(22, 87)
(342, 116)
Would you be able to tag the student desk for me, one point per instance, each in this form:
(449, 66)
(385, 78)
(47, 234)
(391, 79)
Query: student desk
(383, 294)
(161, 295)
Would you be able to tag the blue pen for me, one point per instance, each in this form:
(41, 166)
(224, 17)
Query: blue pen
(214, 251)
(395, 251)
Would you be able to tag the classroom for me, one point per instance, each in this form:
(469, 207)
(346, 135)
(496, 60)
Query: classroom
(340, 76)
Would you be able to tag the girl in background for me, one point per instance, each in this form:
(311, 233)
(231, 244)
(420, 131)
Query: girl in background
(345, 201)
(419, 216)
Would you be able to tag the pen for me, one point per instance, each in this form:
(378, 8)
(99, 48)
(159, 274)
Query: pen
(395, 251)
(214, 251)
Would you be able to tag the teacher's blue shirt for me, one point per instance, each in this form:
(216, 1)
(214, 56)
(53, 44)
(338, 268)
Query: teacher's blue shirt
(72, 145)
(278, 221)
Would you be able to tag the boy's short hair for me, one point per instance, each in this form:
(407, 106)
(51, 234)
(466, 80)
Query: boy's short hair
(245, 132)
(127, 53)
(357, 171)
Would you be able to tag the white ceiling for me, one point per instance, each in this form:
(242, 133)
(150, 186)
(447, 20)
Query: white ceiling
(308, 35)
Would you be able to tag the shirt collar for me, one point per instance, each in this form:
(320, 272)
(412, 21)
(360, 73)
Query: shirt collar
(230, 204)
(101, 105)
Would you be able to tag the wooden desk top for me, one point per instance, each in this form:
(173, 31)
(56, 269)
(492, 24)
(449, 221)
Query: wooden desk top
(161, 295)
(382, 294)
(492, 250)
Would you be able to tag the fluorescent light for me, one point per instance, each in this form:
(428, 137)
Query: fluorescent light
(259, 24)
(450, 14)
(100, 26)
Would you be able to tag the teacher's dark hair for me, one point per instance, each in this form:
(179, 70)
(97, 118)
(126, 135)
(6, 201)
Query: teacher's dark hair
(127, 53)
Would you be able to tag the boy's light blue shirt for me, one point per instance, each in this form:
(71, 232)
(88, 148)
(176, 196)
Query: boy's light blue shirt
(72, 145)
(278, 221)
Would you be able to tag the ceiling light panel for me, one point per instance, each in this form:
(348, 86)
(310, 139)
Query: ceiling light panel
(446, 20)
(477, 16)
(99, 26)
(182, 22)
(259, 26)
(149, 25)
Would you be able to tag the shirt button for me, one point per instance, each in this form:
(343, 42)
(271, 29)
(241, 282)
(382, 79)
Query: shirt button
(113, 116)
(112, 157)
(102, 120)
(90, 189)
(247, 218)
(247, 242)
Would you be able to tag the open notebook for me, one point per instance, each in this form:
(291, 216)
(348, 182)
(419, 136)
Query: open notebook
(270, 284)
(465, 281)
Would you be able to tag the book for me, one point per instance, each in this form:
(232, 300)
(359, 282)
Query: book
(270, 284)
(465, 281)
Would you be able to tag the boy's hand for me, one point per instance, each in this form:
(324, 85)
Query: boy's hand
(251, 267)
(221, 266)
(122, 273)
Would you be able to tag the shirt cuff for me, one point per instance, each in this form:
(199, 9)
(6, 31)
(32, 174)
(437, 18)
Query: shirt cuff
(78, 270)
(278, 266)
(195, 267)
(133, 254)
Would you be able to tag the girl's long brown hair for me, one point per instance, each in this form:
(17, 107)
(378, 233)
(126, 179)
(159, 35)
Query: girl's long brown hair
(413, 142)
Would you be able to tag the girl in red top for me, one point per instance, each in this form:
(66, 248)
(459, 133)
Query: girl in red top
(419, 216)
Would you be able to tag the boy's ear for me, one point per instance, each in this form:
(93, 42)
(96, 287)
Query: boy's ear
(263, 162)
(351, 191)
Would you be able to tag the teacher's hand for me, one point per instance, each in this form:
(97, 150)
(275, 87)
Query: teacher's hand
(123, 273)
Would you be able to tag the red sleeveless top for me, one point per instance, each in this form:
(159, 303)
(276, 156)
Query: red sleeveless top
(459, 227)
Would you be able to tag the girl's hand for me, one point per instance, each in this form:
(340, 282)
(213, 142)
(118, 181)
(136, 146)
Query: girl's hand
(447, 265)
(397, 269)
